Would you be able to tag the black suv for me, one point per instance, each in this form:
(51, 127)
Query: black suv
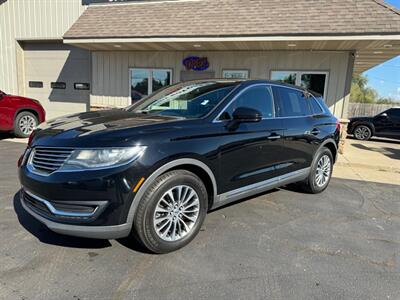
(155, 168)
(385, 124)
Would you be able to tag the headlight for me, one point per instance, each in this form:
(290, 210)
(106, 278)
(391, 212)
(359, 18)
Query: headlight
(101, 158)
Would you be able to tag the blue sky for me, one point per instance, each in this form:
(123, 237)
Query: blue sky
(385, 78)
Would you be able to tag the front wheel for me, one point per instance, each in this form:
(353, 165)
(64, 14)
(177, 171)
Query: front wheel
(171, 212)
(320, 173)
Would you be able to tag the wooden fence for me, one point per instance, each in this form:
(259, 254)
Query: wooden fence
(366, 109)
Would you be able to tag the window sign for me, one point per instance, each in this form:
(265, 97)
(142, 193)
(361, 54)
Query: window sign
(235, 74)
(143, 82)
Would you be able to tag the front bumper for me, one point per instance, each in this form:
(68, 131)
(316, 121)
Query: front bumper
(93, 204)
(97, 232)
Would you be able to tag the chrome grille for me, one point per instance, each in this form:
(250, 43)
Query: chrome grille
(48, 160)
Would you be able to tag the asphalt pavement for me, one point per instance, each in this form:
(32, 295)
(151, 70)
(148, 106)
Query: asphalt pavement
(341, 244)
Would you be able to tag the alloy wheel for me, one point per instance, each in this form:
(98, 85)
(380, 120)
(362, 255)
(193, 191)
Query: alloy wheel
(323, 171)
(27, 124)
(176, 213)
(362, 132)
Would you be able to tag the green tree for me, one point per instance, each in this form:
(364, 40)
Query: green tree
(386, 101)
(360, 92)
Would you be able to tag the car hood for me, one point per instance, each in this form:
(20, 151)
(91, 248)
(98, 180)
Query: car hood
(15, 97)
(95, 127)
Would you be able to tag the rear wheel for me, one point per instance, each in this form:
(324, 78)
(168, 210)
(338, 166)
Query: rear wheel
(24, 124)
(171, 212)
(362, 132)
(320, 173)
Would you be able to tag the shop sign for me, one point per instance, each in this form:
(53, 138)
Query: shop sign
(196, 63)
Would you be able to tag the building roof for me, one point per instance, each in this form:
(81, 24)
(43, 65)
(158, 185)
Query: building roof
(236, 18)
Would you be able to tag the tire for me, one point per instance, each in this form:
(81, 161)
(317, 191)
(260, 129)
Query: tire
(154, 223)
(320, 173)
(24, 124)
(362, 132)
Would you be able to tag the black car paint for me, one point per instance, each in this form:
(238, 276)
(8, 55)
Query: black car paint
(380, 125)
(236, 157)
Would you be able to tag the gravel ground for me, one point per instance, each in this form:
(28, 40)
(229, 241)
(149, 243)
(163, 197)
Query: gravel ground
(342, 244)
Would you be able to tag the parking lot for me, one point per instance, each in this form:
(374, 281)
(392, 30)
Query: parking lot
(342, 244)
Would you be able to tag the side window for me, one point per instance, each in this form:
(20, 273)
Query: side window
(394, 113)
(257, 97)
(315, 107)
(290, 102)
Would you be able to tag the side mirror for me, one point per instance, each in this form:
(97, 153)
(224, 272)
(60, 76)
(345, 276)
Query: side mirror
(246, 115)
(384, 115)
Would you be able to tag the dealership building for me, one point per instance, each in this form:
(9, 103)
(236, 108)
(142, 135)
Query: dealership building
(77, 55)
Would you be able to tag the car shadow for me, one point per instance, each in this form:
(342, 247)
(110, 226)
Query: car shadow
(390, 152)
(244, 199)
(376, 139)
(6, 135)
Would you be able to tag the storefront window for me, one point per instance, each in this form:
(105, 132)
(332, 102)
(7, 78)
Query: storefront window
(315, 81)
(284, 76)
(235, 74)
(139, 84)
(146, 81)
(161, 78)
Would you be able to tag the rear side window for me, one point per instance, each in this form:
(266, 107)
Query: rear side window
(290, 102)
(315, 107)
(257, 97)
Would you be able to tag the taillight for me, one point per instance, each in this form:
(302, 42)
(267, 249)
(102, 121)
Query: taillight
(338, 125)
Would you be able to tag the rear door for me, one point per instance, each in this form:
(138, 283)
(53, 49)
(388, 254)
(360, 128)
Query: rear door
(302, 131)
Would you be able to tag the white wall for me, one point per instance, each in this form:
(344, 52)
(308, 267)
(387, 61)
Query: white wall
(29, 20)
(110, 69)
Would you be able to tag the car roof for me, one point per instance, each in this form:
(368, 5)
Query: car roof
(247, 82)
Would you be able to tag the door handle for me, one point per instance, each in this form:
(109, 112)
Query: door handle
(315, 131)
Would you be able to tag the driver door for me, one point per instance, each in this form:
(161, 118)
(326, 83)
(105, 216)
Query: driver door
(251, 152)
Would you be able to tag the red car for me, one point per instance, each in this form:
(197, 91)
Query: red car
(19, 114)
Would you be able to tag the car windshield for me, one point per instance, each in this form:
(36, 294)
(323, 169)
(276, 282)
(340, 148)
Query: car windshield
(185, 100)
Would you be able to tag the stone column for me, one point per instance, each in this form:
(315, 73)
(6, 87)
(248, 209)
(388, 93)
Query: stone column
(343, 134)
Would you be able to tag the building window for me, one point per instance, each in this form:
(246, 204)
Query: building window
(284, 76)
(58, 85)
(315, 81)
(81, 86)
(143, 82)
(35, 84)
(236, 74)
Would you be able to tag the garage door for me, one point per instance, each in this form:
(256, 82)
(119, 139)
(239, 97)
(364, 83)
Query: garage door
(58, 76)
